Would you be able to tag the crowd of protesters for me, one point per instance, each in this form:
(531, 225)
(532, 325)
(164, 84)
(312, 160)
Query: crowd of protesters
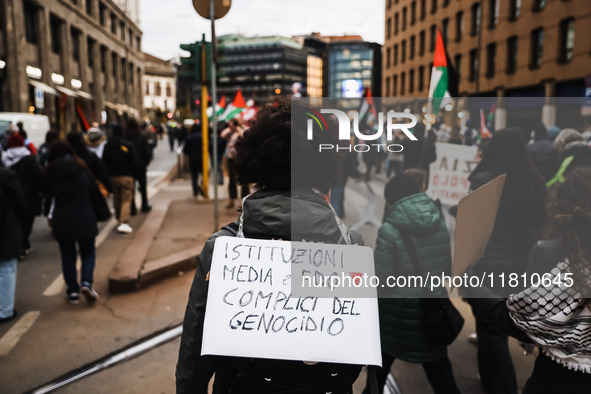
(57, 180)
(542, 225)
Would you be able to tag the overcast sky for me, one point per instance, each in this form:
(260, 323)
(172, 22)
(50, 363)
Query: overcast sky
(166, 24)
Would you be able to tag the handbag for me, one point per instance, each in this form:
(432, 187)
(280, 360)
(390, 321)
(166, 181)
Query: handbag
(441, 319)
(99, 203)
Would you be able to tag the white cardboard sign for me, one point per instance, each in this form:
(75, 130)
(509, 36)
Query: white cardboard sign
(448, 175)
(251, 311)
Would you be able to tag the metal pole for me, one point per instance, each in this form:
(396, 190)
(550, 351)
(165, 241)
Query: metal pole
(214, 118)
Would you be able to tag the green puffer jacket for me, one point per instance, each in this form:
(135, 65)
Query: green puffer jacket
(401, 326)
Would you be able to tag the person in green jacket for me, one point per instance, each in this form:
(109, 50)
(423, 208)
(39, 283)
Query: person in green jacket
(401, 328)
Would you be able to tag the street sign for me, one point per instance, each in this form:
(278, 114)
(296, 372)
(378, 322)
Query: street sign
(39, 99)
(221, 8)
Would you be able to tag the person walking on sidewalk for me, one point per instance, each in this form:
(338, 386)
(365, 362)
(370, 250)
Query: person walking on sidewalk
(122, 165)
(94, 164)
(232, 134)
(12, 210)
(194, 150)
(412, 214)
(74, 222)
(18, 158)
(144, 154)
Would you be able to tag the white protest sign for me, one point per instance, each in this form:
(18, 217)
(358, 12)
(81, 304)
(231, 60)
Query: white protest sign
(251, 311)
(448, 175)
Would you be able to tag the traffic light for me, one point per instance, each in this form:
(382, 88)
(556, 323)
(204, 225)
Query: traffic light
(198, 65)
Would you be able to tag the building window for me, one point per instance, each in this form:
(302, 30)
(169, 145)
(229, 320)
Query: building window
(433, 33)
(138, 43)
(491, 54)
(389, 28)
(157, 89)
(75, 34)
(55, 31)
(396, 54)
(388, 54)
(514, 9)
(411, 81)
(90, 43)
(396, 20)
(423, 9)
(433, 6)
(445, 3)
(459, 25)
(458, 66)
(130, 36)
(412, 47)
(102, 14)
(421, 78)
(567, 40)
(402, 83)
(445, 29)
(511, 54)
(114, 64)
(422, 43)
(168, 90)
(122, 30)
(89, 7)
(389, 4)
(113, 23)
(147, 88)
(131, 75)
(387, 84)
(103, 59)
(537, 47)
(473, 65)
(413, 13)
(31, 16)
(394, 85)
(538, 5)
(404, 12)
(403, 52)
(476, 14)
(493, 13)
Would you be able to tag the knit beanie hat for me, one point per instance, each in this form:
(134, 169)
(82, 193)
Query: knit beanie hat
(15, 140)
(400, 186)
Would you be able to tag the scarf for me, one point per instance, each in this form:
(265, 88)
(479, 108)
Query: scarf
(557, 318)
(13, 155)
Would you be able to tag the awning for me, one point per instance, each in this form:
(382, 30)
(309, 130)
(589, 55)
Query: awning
(44, 87)
(67, 91)
(84, 95)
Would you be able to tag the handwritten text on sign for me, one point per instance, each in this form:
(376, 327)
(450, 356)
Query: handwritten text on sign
(251, 311)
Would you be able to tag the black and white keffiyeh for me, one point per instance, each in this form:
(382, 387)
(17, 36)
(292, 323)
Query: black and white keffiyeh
(557, 318)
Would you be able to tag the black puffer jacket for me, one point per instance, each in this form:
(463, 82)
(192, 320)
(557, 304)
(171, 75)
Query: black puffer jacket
(12, 211)
(267, 215)
(73, 215)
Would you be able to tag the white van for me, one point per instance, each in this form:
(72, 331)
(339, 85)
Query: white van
(36, 126)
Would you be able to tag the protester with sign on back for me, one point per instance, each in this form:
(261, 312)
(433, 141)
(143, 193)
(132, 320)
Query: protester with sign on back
(517, 227)
(412, 222)
(263, 158)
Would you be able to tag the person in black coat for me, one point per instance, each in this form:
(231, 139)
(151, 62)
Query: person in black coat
(123, 166)
(517, 228)
(194, 151)
(12, 212)
(145, 154)
(543, 153)
(94, 164)
(74, 222)
(18, 158)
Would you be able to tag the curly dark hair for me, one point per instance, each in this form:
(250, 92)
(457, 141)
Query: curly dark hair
(570, 224)
(275, 155)
(522, 211)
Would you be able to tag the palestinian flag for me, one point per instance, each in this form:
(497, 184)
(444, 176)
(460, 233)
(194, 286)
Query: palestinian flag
(368, 114)
(443, 81)
(219, 108)
(235, 108)
(484, 131)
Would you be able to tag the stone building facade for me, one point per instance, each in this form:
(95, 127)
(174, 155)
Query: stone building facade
(77, 61)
